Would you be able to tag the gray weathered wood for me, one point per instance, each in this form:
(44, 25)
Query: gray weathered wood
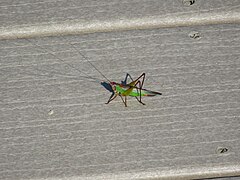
(54, 123)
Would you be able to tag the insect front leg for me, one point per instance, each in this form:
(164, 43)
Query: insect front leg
(112, 97)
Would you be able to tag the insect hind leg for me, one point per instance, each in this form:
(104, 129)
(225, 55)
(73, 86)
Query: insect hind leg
(125, 102)
(140, 83)
(135, 83)
(125, 82)
(140, 87)
(140, 92)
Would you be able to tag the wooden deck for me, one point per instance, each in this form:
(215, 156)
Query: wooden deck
(53, 118)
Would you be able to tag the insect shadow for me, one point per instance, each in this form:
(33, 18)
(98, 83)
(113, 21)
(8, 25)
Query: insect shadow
(107, 86)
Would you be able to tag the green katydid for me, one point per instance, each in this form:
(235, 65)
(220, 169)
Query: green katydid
(134, 88)
(131, 89)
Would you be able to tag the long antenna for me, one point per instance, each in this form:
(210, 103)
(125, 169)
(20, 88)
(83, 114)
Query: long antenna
(70, 65)
(89, 62)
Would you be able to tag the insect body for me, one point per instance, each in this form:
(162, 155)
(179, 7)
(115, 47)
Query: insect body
(132, 89)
